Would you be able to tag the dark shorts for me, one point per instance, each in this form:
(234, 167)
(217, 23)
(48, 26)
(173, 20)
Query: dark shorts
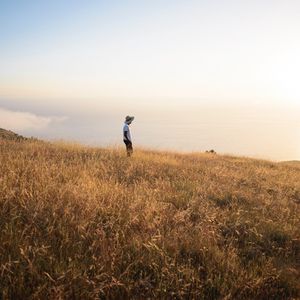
(128, 147)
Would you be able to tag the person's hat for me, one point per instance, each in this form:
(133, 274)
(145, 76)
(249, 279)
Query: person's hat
(129, 119)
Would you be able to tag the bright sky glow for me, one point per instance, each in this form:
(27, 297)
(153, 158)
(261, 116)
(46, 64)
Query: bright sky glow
(143, 56)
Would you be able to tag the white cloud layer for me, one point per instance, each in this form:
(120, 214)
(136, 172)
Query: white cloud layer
(21, 121)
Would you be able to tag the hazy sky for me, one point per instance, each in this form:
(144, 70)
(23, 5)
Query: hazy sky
(197, 74)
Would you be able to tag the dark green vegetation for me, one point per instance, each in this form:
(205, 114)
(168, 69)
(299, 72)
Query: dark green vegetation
(9, 135)
(87, 223)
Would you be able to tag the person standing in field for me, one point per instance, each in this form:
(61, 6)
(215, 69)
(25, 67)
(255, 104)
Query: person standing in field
(126, 135)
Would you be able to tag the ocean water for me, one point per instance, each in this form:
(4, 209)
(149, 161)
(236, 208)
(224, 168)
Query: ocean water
(255, 130)
(272, 135)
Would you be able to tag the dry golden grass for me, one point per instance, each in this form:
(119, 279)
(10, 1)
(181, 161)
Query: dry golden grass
(88, 223)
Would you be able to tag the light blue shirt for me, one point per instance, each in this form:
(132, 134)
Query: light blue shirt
(126, 129)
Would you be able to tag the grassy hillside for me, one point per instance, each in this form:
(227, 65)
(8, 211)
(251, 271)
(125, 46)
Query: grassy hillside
(10, 135)
(87, 223)
(292, 163)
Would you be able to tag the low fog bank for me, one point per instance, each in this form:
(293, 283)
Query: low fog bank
(251, 130)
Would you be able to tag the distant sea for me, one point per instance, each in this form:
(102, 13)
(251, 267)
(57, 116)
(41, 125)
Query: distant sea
(255, 130)
(245, 136)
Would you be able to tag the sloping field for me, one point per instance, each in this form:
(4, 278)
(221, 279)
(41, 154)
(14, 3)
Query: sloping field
(10, 135)
(292, 163)
(88, 223)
